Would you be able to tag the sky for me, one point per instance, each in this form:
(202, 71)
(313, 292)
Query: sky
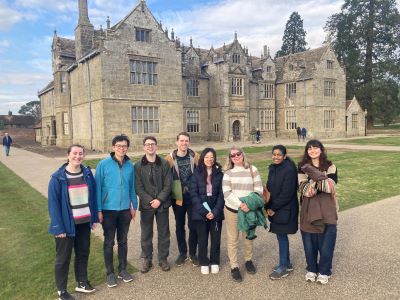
(27, 27)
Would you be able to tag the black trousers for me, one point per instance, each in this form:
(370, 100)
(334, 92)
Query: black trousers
(213, 229)
(146, 238)
(116, 222)
(81, 245)
(180, 220)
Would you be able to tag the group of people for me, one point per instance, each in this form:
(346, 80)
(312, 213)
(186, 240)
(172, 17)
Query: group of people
(200, 191)
(301, 133)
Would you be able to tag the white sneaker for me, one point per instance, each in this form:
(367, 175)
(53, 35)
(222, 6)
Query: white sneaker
(205, 270)
(323, 279)
(214, 269)
(310, 276)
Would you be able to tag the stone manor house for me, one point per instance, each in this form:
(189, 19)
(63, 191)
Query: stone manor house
(137, 78)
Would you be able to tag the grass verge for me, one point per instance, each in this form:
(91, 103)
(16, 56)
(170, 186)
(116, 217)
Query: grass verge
(383, 141)
(27, 251)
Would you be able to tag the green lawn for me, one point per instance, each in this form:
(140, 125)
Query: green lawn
(27, 251)
(386, 141)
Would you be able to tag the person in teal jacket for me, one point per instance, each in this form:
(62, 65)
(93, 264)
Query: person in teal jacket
(117, 204)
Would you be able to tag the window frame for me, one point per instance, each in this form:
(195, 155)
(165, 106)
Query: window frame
(267, 119)
(329, 88)
(193, 121)
(237, 86)
(290, 119)
(145, 119)
(143, 72)
(329, 119)
(142, 35)
(192, 87)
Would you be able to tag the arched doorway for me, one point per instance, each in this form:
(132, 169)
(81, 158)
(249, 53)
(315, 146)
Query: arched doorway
(236, 130)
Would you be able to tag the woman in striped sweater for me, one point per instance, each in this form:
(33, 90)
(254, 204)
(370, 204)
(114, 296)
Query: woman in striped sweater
(73, 213)
(240, 179)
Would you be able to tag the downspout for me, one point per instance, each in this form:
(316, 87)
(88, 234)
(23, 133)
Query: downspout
(90, 106)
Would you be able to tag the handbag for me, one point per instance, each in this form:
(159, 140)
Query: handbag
(265, 194)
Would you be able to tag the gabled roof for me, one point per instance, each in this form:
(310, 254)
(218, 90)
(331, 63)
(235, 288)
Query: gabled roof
(138, 6)
(305, 60)
(66, 47)
(48, 87)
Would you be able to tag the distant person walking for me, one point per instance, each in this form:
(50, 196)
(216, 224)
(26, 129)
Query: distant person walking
(304, 133)
(7, 141)
(258, 136)
(73, 212)
(318, 215)
(298, 131)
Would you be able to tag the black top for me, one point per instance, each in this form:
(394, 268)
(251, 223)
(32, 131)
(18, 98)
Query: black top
(282, 184)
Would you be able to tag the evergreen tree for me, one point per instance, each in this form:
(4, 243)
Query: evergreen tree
(294, 37)
(365, 36)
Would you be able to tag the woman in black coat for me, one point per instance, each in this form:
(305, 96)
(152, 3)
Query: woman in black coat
(207, 208)
(283, 208)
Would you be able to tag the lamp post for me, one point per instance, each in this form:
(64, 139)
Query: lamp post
(365, 122)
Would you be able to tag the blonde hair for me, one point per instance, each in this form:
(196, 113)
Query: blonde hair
(229, 164)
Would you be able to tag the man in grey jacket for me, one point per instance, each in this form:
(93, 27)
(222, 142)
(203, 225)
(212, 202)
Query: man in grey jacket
(153, 186)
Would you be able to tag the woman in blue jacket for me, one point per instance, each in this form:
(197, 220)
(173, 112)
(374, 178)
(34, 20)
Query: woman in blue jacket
(73, 213)
(207, 210)
(283, 208)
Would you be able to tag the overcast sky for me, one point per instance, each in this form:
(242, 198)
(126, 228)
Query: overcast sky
(26, 31)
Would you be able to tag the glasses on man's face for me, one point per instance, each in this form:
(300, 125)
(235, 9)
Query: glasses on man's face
(237, 154)
(149, 145)
(121, 146)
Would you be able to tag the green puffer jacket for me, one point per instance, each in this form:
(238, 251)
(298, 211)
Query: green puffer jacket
(255, 217)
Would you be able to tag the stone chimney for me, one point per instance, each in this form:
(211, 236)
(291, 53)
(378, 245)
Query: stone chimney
(84, 31)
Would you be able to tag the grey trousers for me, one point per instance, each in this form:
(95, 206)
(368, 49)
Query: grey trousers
(146, 239)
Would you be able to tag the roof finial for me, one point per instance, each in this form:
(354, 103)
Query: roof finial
(235, 35)
(172, 34)
(191, 44)
(108, 22)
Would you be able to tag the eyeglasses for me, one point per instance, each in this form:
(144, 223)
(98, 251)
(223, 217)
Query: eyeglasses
(121, 146)
(149, 144)
(237, 154)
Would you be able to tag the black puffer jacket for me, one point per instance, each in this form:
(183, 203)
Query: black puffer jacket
(282, 184)
(198, 195)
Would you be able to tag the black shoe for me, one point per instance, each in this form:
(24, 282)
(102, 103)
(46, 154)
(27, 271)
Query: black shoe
(64, 295)
(125, 276)
(164, 265)
(85, 287)
(194, 260)
(111, 280)
(279, 273)
(236, 274)
(250, 268)
(181, 260)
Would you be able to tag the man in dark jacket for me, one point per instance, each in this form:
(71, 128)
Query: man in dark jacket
(7, 141)
(153, 186)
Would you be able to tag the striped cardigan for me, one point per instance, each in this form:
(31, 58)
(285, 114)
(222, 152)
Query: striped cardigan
(238, 182)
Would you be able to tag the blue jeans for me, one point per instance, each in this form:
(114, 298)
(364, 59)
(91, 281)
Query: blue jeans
(284, 256)
(322, 243)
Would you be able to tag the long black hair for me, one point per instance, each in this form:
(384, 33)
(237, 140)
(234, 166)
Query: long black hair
(202, 167)
(324, 163)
